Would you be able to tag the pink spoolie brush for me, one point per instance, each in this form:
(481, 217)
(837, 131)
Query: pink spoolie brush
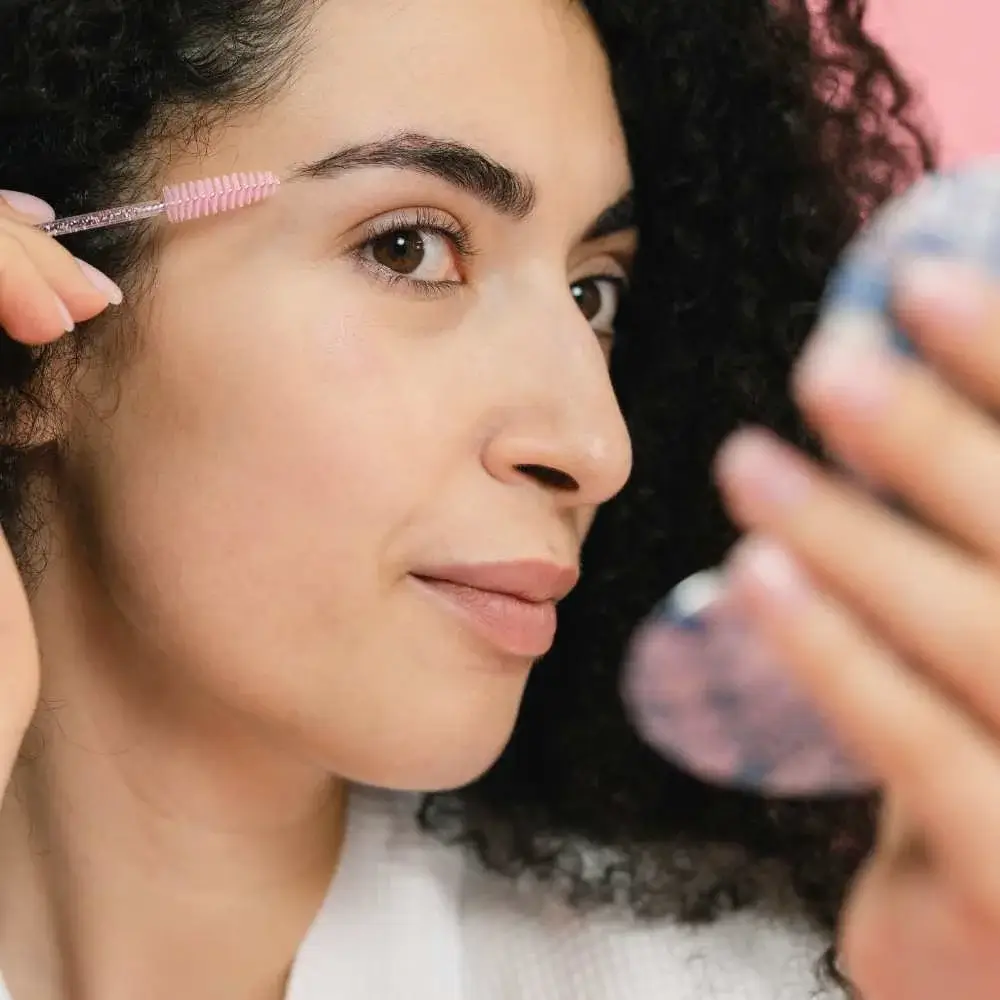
(179, 203)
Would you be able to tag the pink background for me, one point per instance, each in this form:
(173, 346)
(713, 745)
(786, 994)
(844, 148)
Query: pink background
(950, 49)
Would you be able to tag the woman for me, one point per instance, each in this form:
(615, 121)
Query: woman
(252, 502)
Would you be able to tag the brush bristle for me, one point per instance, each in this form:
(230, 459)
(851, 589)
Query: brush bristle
(212, 195)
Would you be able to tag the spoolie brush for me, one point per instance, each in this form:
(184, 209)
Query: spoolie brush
(179, 203)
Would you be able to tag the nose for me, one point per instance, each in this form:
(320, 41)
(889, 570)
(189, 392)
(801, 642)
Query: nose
(561, 426)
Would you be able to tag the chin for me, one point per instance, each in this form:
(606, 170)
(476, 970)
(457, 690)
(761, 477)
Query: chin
(422, 716)
(429, 761)
(441, 772)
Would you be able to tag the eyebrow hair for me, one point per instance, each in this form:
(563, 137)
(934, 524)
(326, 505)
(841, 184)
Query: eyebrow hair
(615, 219)
(507, 192)
(464, 167)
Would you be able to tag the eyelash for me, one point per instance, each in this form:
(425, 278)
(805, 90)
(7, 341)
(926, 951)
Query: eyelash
(424, 220)
(428, 221)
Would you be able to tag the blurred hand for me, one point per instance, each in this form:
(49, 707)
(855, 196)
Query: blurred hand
(891, 621)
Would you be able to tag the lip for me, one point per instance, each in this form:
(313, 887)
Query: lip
(512, 605)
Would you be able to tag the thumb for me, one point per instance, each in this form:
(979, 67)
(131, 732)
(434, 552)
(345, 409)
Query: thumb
(905, 935)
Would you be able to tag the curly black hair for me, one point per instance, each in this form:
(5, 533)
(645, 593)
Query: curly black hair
(761, 134)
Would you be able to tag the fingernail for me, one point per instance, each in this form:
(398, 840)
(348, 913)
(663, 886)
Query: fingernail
(766, 566)
(29, 205)
(949, 288)
(101, 282)
(760, 472)
(69, 324)
(685, 605)
(847, 360)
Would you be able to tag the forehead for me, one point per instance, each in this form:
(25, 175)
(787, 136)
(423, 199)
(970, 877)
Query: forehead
(525, 80)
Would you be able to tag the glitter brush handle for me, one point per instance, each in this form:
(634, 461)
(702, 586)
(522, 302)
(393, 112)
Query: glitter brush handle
(180, 203)
(103, 219)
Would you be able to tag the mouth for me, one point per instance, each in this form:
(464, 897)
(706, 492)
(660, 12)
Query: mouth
(510, 605)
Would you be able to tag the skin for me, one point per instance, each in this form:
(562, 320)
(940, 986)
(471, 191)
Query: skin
(227, 625)
(893, 626)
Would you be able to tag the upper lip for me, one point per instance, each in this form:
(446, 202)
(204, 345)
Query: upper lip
(532, 580)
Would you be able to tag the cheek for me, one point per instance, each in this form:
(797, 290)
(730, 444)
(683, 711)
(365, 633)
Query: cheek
(256, 453)
(249, 492)
(253, 500)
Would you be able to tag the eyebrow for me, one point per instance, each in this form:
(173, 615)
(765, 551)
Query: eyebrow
(616, 219)
(464, 167)
(470, 170)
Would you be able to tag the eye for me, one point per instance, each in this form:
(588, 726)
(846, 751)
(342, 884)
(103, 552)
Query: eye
(598, 298)
(427, 256)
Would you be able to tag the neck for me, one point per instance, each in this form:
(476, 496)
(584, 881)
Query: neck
(152, 844)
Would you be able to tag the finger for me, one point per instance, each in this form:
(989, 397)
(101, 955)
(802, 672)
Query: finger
(935, 604)
(19, 660)
(900, 424)
(25, 207)
(30, 310)
(951, 311)
(928, 751)
(84, 289)
(44, 290)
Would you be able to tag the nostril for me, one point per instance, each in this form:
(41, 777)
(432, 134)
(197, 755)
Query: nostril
(554, 479)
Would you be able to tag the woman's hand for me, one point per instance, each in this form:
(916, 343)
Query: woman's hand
(892, 622)
(43, 292)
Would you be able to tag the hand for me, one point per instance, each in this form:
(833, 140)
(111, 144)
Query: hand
(43, 291)
(892, 624)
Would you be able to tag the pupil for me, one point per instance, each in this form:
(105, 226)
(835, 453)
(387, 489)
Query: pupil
(588, 298)
(402, 251)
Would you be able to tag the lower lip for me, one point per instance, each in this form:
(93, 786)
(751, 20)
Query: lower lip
(515, 626)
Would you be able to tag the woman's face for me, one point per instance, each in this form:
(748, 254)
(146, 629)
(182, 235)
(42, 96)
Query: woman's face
(349, 403)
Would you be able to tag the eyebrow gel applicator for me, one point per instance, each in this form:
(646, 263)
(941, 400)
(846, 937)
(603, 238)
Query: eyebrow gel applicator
(179, 203)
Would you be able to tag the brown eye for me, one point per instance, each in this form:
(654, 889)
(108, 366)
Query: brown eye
(598, 300)
(420, 255)
(402, 251)
(588, 298)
